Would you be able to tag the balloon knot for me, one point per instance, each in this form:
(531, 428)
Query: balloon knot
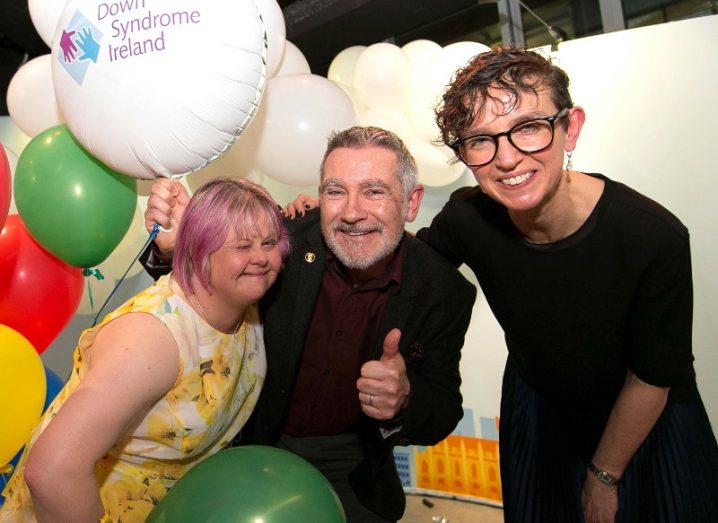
(93, 272)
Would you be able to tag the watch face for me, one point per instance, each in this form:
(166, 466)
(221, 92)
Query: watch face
(604, 477)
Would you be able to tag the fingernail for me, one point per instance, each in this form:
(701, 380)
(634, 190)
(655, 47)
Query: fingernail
(307, 206)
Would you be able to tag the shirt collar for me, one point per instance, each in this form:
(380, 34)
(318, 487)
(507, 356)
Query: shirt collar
(390, 276)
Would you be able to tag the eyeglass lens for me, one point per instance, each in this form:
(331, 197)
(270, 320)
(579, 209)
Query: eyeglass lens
(527, 137)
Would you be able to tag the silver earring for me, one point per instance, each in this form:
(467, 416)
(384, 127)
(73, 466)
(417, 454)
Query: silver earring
(569, 160)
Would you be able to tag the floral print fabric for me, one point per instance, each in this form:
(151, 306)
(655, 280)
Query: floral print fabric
(219, 382)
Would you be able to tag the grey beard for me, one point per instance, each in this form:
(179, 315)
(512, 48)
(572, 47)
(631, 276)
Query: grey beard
(362, 262)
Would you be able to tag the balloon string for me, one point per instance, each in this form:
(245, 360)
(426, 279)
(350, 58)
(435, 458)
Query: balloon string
(89, 294)
(97, 274)
(153, 234)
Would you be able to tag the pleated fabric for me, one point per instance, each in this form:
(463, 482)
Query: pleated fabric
(545, 449)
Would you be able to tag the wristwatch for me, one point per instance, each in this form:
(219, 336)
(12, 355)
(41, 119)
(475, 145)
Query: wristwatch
(603, 476)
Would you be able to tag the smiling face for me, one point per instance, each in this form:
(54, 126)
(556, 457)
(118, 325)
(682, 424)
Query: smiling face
(525, 182)
(243, 269)
(363, 208)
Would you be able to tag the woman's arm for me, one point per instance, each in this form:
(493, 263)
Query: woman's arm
(133, 363)
(634, 414)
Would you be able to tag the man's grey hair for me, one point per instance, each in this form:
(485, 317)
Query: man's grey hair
(358, 137)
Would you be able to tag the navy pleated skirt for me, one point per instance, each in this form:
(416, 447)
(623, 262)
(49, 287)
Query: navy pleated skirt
(545, 449)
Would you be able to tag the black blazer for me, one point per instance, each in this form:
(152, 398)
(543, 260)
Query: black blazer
(432, 309)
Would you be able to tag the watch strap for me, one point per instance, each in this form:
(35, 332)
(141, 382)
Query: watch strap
(603, 476)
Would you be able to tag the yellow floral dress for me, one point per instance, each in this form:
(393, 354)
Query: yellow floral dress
(217, 387)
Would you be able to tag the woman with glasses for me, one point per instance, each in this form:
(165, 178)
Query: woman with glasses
(591, 281)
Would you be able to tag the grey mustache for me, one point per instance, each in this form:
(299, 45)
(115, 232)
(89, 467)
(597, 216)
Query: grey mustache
(349, 229)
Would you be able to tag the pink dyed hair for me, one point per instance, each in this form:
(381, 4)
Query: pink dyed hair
(216, 206)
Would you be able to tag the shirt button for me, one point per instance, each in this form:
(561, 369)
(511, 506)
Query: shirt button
(284, 391)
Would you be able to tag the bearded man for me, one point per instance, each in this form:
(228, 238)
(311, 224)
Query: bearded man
(363, 328)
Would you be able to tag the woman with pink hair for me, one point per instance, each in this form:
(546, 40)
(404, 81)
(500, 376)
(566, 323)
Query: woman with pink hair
(167, 379)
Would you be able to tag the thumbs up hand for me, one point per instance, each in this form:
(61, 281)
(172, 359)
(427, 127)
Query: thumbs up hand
(384, 386)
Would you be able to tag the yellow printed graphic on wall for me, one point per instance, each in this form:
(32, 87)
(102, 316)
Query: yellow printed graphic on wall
(462, 464)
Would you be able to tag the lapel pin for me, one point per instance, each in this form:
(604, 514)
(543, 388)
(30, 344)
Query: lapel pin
(310, 257)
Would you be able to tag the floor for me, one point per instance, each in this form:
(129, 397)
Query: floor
(451, 511)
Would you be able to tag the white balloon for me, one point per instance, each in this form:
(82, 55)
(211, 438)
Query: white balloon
(198, 179)
(293, 61)
(238, 162)
(31, 97)
(433, 163)
(158, 89)
(443, 66)
(341, 70)
(420, 110)
(298, 114)
(420, 51)
(382, 76)
(387, 118)
(45, 15)
(430, 82)
(358, 106)
(423, 119)
(276, 33)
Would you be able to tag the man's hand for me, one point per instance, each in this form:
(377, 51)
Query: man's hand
(166, 205)
(300, 205)
(384, 386)
(599, 501)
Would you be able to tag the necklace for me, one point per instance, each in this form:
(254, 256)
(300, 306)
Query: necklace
(206, 318)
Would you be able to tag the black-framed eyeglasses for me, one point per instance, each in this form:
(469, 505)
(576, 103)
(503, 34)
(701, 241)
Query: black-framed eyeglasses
(531, 136)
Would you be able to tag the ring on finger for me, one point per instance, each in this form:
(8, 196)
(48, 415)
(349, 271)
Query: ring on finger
(371, 400)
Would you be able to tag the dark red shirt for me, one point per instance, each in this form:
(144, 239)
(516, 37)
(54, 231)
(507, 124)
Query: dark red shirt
(340, 339)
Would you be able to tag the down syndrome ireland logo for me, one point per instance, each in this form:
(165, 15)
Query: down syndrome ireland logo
(79, 46)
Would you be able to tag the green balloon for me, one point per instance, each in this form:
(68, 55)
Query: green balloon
(73, 205)
(251, 484)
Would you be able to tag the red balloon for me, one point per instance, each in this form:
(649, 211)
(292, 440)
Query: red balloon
(5, 186)
(38, 292)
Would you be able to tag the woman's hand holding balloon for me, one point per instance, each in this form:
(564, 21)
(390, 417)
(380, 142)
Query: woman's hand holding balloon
(166, 206)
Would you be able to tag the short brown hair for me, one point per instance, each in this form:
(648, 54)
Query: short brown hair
(357, 137)
(511, 69)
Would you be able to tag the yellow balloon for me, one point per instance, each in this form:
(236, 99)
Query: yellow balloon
(22, 391)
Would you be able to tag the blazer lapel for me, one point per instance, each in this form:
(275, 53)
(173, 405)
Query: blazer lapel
(312, 259)
(398, 307)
